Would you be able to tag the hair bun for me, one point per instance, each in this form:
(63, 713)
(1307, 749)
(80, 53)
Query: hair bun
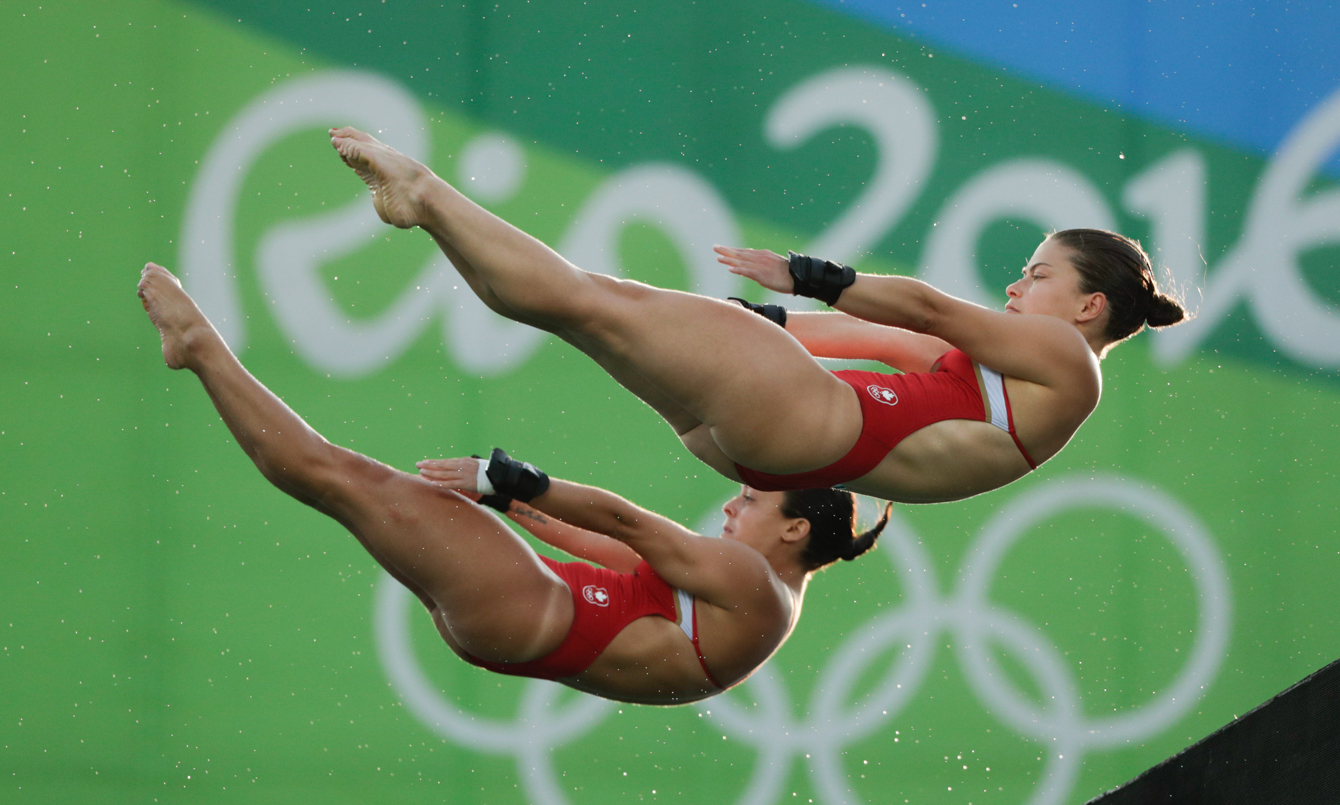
(1164, 311)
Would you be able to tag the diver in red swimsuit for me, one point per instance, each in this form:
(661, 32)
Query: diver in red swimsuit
(671, 617)
(898, 405)
(749, 399)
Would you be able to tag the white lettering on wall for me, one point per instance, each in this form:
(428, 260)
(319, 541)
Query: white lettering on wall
(1171, 193)
(1261, 269)
(208, 264)
(896, 113)
(1047, 193)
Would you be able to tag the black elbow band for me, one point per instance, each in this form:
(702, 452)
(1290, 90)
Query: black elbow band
(819, 279)
(500, 502)
(515, 479)
(773, 313)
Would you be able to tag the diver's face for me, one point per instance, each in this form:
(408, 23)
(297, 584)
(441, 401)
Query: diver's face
(1049, 285)
(753, 517)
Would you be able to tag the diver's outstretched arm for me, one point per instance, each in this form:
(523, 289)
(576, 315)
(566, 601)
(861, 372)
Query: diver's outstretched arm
(718, 570)
(837, 335)
(721, 571)
(833, 334)
(580, 542)
(1040, 349)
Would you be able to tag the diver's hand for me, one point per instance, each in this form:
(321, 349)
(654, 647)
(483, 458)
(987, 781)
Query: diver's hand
(460, 474)
(768, 269)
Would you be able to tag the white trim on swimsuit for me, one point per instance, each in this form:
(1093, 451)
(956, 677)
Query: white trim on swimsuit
(994, 385)
(686, 614)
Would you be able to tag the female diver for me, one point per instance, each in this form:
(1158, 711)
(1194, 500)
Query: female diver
(985, 396)
(671, 617)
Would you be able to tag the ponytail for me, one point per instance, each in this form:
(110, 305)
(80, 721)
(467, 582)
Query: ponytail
(832, 517)
(866, 539)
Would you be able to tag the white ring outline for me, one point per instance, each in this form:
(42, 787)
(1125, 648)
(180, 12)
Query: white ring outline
(831, 724)
(1186, 534)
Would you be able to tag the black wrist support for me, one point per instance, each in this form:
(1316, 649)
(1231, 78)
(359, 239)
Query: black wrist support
(495, 501)
(819, 279)
(515, 479)
(773, 313)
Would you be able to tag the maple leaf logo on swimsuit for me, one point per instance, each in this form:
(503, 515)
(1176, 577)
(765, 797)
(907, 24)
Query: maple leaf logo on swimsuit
(882, 394)
(596, 595)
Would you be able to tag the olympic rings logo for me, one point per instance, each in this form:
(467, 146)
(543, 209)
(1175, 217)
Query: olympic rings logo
(884, 395)
(833, 720)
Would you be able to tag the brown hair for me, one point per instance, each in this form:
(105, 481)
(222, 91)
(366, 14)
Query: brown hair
(832, 517)
(1116, 266)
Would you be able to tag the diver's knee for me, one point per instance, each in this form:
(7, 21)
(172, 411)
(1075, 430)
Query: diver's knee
(340, 480)
(615, 309)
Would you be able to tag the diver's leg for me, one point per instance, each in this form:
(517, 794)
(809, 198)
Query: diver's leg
(499, 601)
(767, 403)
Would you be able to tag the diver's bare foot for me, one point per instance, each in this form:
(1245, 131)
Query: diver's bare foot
(398, 183)
(181, 325)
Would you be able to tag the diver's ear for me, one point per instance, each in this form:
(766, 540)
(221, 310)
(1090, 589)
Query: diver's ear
(1094, 305)
(797, 530)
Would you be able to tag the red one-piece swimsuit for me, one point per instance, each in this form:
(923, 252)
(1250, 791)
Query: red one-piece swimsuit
(604, 602)
(895, 406)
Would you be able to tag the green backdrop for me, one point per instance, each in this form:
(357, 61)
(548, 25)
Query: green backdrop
(175, 630)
